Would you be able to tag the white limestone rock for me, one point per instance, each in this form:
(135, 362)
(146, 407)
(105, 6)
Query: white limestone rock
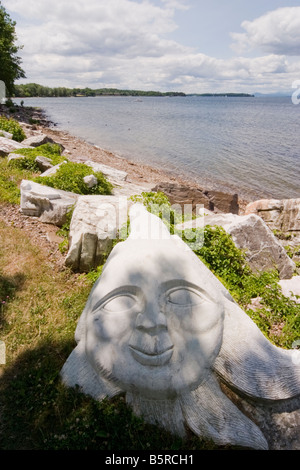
(39, 139)
(43, 163)
(49, 204)
(291, 288)
(5, 134)
(2, 353)
(51, 171)
(8, 146)
(90, 180)
(250, 233)
(15, 156)
(282, 215)
(95, 223)
(112, 174)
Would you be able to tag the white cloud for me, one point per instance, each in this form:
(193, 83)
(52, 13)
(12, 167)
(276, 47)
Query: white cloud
(126, 44)
(276, 32)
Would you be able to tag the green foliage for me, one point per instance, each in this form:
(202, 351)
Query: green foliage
(224, 258)
(10, 69)
(51, 151)
(12, 126)
(69, 177)
(94, 274)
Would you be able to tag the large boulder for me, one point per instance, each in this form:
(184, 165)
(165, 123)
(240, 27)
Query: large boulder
(95, 224)
(8, 145)
(223, 202)
(250, 233)
(40, 139)
(112, 174)
(282, 215)
(49, 204)
(161, 330)
(216, 201)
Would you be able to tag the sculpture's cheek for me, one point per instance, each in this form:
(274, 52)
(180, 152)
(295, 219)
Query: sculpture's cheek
(195, 319)
(113, 326)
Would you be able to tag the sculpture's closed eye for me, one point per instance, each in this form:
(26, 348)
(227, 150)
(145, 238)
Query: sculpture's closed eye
(119, 303)
(184, 297)
(124, 299)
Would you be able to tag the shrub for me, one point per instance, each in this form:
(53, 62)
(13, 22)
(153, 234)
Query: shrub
(12, 126)
(51, 151)
(69, 177)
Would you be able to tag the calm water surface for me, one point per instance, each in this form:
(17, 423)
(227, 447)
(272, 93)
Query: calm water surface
(247, 145)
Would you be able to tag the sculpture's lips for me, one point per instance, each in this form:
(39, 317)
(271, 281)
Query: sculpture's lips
(152, 359)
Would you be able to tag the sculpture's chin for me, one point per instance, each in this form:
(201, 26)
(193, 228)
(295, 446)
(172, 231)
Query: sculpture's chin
(154, 360)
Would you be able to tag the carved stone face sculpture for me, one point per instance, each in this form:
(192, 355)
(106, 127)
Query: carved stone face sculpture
(161, 328)
(154, 329)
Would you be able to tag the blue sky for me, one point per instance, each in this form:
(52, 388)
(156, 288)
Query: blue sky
(193, 46)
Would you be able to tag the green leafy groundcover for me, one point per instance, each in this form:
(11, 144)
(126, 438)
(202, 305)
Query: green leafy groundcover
(69, 177)
(12, 126)
(50, 151)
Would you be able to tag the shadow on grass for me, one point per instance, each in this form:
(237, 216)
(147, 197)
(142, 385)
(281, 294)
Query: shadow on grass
(8, 287)
(39, 413)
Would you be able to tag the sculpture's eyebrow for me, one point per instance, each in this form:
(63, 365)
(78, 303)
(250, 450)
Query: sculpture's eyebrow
(123, 290)
(183, 284)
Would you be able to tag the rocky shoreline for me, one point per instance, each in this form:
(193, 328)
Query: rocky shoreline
(34, 122)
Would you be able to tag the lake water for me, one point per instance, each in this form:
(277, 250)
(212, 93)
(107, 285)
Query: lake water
(247, 145)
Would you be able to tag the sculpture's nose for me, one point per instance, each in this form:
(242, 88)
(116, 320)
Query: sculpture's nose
(150, 343)
(152, 320)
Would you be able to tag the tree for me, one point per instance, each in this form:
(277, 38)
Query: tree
(10, 63)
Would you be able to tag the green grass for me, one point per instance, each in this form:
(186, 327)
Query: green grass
(10, 179)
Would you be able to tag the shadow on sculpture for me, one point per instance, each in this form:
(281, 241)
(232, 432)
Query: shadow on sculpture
(159, 326)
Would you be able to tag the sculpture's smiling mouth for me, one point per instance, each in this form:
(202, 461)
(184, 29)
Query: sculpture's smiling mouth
(152, 359)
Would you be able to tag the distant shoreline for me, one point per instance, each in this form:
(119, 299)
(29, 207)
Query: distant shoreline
(34, 90)
(223, 95)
